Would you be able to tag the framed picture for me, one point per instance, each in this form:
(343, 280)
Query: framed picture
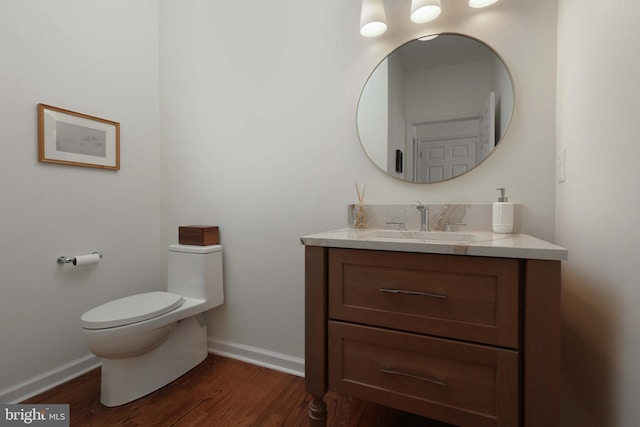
(72, 138)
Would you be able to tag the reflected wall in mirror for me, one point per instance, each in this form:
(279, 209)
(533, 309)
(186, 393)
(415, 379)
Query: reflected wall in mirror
(440, 105)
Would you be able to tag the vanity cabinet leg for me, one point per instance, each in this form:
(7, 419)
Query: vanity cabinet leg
(315, 378)
(317, 412)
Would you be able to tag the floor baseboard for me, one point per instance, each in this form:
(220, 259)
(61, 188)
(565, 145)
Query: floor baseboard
(258, 356)
(49, 379)
(245, 353)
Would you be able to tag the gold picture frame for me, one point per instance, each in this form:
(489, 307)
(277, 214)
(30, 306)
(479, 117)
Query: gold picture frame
(71, 138)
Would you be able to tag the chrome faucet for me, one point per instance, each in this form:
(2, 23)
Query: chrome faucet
(424, 216)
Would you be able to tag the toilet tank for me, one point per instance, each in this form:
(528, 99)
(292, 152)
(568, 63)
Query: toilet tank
(196, 272)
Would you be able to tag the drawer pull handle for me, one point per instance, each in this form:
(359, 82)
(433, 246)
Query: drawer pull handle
(422, 294)
(433, 380)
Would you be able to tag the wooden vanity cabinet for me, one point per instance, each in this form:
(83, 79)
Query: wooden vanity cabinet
(471, 341)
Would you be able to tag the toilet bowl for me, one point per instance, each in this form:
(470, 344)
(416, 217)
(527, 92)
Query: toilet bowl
(148, 340)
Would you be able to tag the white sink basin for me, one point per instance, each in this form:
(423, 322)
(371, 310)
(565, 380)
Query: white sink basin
(452, 236)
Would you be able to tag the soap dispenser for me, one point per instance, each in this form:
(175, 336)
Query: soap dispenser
(502, 214)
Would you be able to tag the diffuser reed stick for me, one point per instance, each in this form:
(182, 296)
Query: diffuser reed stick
(359, 213)
(361, 196)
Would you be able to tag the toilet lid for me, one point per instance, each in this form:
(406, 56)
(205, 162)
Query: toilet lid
(131, 309)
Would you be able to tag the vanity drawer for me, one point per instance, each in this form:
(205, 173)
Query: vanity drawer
(459, 383)
(464, 297)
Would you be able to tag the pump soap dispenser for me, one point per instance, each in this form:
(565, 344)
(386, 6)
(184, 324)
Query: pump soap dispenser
(502, 214)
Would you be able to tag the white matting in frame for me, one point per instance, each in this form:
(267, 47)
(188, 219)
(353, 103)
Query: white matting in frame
(72, 138)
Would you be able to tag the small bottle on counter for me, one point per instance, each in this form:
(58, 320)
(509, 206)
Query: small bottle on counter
(502, 214)
(359, 214)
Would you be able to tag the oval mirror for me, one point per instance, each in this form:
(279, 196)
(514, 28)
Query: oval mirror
(435, 108)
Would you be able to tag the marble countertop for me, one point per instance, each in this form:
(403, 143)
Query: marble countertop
(485, 243)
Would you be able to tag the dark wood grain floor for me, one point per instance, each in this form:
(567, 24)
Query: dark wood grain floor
(221, 392)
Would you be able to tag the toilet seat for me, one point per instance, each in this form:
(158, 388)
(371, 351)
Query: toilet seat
(131, 309)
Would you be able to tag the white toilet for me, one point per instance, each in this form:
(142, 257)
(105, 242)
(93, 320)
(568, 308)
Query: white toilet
(148, 340)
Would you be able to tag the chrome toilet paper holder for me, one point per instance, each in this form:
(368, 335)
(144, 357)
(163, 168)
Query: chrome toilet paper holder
(72, 260)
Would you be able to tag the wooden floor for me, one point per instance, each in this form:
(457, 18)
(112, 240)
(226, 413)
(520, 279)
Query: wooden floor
(221, 392)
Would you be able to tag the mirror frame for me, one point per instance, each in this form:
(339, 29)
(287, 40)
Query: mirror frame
(399, 161)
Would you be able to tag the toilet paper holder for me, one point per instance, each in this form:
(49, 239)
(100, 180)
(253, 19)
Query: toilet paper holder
(72, 260)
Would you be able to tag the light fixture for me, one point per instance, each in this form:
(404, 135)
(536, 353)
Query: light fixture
(373, 21)
(481, 3)
(425, 10)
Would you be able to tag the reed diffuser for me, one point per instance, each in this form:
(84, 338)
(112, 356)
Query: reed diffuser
(359, 213)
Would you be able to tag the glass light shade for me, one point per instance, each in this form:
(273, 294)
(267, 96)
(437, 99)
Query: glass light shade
(373, 29)
(481, 3)
(373, 20)
(425, 10)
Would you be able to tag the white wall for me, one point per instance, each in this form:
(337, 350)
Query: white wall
(457, 90)
(259, 136)
(598, 209)
(98, 58)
